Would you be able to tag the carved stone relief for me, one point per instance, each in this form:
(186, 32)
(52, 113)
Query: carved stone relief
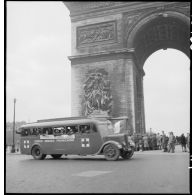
(96, 33)
(97, 93)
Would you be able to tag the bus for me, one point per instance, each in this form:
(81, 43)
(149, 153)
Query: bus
(74, 136)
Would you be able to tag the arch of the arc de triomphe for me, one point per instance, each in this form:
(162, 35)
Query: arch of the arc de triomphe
(110, 43)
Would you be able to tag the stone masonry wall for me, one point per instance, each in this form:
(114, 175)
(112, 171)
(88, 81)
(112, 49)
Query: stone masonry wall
(120, 75)
(97, 35)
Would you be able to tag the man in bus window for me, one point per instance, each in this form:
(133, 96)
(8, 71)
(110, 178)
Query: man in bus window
(70, 131)
(37, 131)
(31, 131)
(34, 131)
(85, 129)
(26, 131)
(76, 130)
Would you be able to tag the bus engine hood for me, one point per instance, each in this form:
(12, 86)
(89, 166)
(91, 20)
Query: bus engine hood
(121, 138)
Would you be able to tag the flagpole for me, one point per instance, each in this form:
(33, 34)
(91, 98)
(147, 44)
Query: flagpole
(13, 146)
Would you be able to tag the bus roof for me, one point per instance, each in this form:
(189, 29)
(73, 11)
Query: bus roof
(71, 121)
(60, 122)
(62, 119)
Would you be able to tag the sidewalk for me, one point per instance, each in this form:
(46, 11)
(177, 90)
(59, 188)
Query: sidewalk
(13, 153)
(178, 149)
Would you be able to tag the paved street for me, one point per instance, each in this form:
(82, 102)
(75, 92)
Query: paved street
(146, 172)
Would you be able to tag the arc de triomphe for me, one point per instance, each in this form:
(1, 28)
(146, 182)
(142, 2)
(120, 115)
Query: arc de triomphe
(110, 43)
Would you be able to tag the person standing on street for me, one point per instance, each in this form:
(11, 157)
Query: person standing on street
(145, 139)
(158, 137)
(154, 142)
(164, 142)
(141, 144)
(188, 141)
(150, 141)
(135, 139)
(183, 143)
(171, 143)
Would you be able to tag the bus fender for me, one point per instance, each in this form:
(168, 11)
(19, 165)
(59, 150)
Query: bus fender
(117, 144)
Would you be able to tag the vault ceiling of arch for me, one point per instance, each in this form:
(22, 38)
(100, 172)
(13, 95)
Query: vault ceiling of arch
(161, 34)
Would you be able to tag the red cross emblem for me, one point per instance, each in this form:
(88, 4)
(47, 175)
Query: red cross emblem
(26, 143)
(85, 142)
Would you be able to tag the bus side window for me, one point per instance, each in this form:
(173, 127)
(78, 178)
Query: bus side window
(47, 131)
(85, 128)
(31, 131)
(58, 130)
(35, 131)
(64, 130)
(50, 131)
(39, 131)
(25, 132)
(71, 129)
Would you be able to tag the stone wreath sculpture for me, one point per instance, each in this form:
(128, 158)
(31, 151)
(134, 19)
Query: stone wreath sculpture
(97, 95)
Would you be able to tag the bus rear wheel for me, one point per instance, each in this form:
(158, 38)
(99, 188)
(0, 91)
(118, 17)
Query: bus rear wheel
(56, 156)
(37, 154)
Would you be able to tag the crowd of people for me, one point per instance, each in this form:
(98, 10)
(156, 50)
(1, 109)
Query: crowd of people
(157, 141)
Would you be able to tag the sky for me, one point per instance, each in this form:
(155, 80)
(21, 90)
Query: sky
(38, 71)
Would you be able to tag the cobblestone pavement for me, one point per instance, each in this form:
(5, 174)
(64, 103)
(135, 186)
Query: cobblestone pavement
(146, 172)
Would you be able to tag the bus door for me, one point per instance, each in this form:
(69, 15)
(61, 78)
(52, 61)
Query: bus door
(90, 140)
(25, 141)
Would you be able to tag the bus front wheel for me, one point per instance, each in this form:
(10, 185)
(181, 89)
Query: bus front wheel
(37, 154)
(111, 152)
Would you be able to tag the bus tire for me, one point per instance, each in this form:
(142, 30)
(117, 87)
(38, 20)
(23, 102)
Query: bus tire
(111, 152)
(56, 156)
(37, 153)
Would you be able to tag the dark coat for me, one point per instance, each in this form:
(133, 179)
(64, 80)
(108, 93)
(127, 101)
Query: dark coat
(183, 140)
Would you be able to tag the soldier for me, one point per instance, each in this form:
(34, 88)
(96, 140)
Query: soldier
(188, 141)
(140, 144)
(171, 143)
(149, 142)
(164, 142)
(146, 145)
(135, 139)
(183, 143)
(158, 137)
(154, 142)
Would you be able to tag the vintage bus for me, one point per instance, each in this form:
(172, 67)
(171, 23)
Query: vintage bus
(74, 135)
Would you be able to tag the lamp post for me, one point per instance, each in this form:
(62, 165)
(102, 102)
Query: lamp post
(13, 146)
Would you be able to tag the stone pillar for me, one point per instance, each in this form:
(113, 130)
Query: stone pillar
(130, 93)
(143, 128)
(139, 100)
(116, 71)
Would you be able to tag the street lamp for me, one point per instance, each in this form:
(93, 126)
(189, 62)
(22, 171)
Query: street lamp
(13, 146)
